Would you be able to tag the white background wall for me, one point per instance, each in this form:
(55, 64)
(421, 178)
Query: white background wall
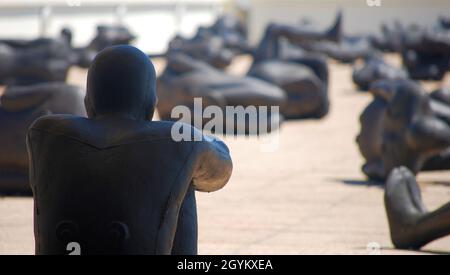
(154, 28)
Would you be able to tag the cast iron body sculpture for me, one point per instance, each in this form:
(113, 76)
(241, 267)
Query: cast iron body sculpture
(205, 47)
(35, 61)
(303, 76)
(412, 131)
(19, 107)
(426, 53)
(345, 49)
(391, 39)
(373, 129)
(444, 22)
(348, 50)
(117, 182)
(216, 45)
(412, 226)
(185, 79)
(106, 36)
(373, 69)
(233, 32)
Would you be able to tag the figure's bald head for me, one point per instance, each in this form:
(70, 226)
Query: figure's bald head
(121, 80)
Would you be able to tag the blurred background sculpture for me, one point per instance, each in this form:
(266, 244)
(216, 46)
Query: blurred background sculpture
(185, 79)
(373, 69)
(19, 107)
(216, 45)
(303, 76)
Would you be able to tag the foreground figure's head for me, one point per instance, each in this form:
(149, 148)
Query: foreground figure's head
(121, 81)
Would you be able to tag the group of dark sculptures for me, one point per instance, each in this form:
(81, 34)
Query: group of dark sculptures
(406, 129)
(82, 146)
(291, 78)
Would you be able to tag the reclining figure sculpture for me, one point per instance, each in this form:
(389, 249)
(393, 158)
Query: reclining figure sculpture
(216, 45)
(25, 62)
(186, 79)
(303, 76)
(374, 69)
(19, 107)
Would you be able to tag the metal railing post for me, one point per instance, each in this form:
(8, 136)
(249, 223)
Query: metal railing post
(44, 20)
(180, 11)
(121, 12)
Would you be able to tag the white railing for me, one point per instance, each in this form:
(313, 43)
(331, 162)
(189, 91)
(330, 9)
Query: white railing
(44, 10)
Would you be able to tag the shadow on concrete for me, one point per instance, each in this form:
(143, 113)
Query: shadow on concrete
(15, 195)
(441, 183)
(362, 183)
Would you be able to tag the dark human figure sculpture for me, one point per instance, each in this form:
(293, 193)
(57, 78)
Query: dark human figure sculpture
(444, 22)
(185, 79)
(412, 226)
(19, 107)
(233, 32)
(25, 62)
(412, 132)
(65, 37)
(345, 49)
(391, 39)
(117, 182)
(441, 95)
(375, 68)
(348, 50)
(303, 76)
(205, 47)
(426, 53)
(373, 134)
(216, 45)
(106, 36)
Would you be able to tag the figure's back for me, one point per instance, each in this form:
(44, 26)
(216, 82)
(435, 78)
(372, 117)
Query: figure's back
(112, 186)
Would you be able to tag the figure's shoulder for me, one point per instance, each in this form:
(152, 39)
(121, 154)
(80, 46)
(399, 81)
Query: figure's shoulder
(179, 132)
(57, 122)
(105, 134)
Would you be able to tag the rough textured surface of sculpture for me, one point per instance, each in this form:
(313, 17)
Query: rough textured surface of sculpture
(19, 107)
(412, 226)
(186, 79)
(117, 182)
